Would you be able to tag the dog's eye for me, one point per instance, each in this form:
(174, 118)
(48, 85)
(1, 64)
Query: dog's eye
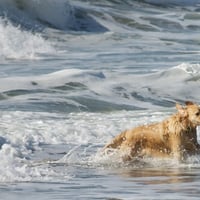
(198, 113)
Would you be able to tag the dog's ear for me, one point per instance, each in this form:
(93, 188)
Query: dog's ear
(181, 110)
(189, 103)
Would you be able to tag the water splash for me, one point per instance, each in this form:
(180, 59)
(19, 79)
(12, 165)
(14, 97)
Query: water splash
(20, 44)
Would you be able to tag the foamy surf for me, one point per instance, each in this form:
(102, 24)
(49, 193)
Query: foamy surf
(20, 44)
(45, 147)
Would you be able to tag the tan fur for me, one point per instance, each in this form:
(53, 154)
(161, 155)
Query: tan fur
(174, 137)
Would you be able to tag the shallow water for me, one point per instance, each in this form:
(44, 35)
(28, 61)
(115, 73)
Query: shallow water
(92, 183)
(71, 81)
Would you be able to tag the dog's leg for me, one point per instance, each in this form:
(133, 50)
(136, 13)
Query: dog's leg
(176, 150)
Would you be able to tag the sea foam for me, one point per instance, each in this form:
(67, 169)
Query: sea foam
(20, 44)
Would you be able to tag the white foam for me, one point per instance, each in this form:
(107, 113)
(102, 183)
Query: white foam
(18, 44)
(80, 135)
(192, 69)
(14, 168)
(20, 137)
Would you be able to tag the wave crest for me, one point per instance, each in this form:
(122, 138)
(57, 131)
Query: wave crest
(20, 44)
(39, 14)
(51, 12)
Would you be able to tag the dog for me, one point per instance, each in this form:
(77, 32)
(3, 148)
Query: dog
(174, 137)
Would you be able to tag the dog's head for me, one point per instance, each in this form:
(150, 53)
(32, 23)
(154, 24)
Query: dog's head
(191, 111)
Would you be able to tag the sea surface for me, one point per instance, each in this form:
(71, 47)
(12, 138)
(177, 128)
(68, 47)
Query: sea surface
(74, 74)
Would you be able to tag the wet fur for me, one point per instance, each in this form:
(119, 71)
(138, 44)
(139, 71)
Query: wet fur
(175, 137)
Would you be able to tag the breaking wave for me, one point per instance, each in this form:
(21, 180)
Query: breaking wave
(20, 44)
(88, 90)
(39, 14)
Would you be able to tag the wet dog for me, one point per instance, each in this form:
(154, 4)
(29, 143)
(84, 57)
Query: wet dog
(175, 137)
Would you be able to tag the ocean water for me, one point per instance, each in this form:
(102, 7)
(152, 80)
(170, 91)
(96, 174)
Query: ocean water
(75, 73)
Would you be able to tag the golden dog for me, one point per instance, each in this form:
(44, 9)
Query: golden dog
(175, 137)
